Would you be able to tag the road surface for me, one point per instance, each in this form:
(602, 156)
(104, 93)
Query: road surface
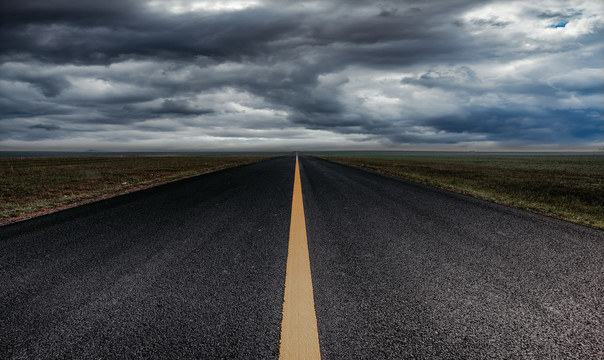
(196, 269)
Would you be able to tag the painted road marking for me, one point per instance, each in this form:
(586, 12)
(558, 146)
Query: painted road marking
(299, 334)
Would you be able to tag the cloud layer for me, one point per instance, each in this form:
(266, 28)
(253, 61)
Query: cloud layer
(199, 75)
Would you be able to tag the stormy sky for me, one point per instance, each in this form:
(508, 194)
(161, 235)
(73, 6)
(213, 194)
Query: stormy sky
(308, 75)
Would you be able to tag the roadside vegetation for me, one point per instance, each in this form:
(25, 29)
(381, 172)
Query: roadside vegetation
(569, 187)
(34, 186)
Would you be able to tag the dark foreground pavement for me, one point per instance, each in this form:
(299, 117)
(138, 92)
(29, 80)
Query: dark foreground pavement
(402, 270)
(195, 269)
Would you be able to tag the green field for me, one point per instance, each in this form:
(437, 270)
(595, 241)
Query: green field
(569, 187)
(32, 186)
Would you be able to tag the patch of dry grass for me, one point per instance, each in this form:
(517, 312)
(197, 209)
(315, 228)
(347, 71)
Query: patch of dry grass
(570, 187)
(30, 186)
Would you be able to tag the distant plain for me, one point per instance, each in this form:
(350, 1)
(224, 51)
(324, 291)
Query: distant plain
(569, 186)
(566, 186)
(31, 186)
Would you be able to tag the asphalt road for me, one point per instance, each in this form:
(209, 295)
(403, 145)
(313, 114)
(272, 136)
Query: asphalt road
(192, 269)
(195, 269)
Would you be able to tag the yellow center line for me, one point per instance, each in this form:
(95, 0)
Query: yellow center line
(299, 334)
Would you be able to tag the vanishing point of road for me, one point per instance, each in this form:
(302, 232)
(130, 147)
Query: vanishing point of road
(299, 259)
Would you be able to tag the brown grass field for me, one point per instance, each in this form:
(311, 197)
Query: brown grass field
(35, 186)
(569, 187)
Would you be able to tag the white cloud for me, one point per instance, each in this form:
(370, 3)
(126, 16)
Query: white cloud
(184, 6)
(529, 23)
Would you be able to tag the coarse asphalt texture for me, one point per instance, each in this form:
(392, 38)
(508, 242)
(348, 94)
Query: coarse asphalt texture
(190, 270)
(196, 269)
(402, 270)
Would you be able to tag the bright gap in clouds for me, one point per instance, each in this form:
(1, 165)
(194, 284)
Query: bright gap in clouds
(185, 6)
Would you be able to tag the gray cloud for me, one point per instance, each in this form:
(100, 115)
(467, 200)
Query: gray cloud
(47, 127)
(49, 86)
(180, 107)
(387, 74)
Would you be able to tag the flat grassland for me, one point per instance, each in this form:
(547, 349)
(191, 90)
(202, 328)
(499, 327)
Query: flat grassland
(35, 186)
(569, 187)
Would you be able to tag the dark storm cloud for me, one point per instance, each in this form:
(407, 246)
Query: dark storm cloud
(49, 86)
(180, 107)
(464, 79)
(501, 124)
(392, 72)
(45, 127)
(90, 32)
(101, 33)
(566, 14)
